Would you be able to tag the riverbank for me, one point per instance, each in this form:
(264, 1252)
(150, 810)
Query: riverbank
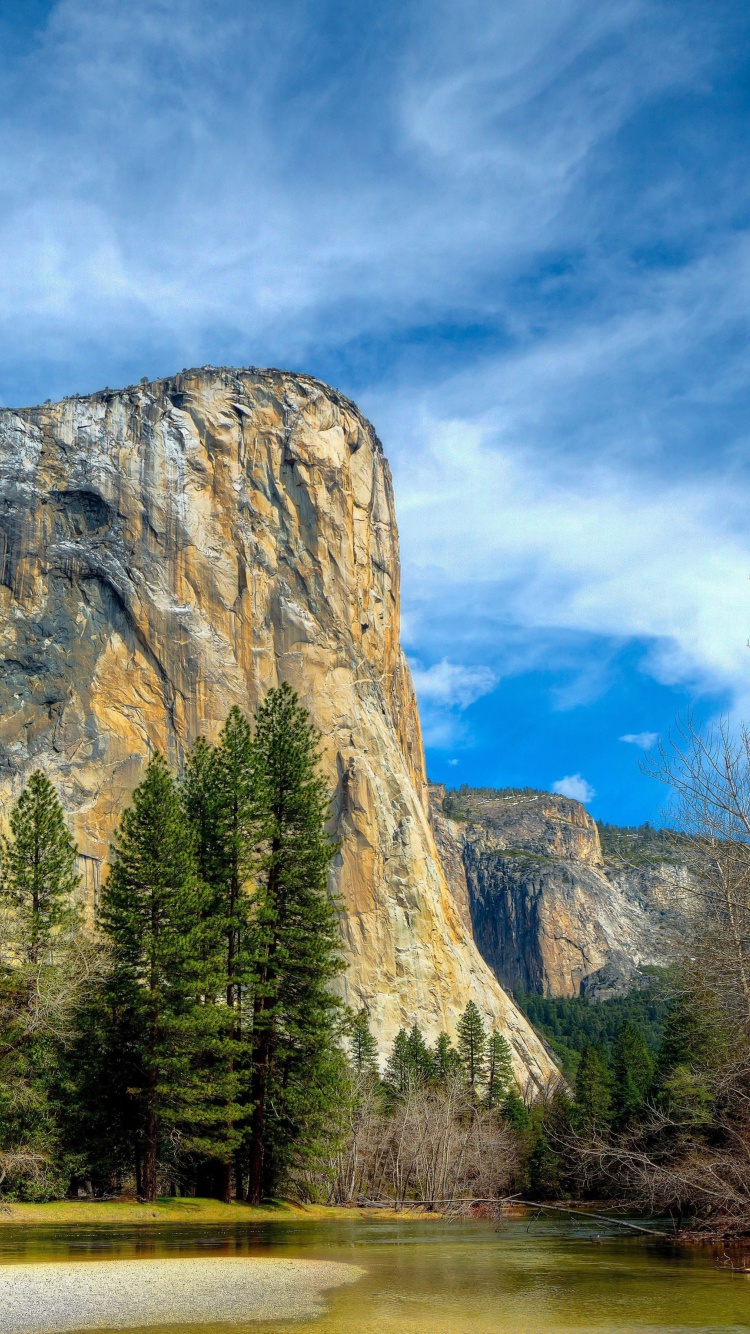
(127, 1213)
(121, 1294)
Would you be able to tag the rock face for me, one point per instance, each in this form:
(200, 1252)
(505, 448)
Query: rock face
(178, 547)
(552, 911)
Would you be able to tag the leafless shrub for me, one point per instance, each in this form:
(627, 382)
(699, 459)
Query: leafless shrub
(433, 1144)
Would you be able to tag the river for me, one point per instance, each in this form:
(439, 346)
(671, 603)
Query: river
(436, 1277)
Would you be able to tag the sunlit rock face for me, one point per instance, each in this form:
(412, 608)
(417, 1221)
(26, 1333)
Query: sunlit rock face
(553, 912)
(174, 548)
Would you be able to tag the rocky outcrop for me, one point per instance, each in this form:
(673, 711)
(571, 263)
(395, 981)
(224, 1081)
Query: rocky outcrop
(177, 547)
(552, 910)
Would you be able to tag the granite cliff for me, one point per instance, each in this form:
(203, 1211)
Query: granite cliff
(555, 907)
(177, 547)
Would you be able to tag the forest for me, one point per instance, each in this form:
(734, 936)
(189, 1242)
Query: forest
(189, 1040)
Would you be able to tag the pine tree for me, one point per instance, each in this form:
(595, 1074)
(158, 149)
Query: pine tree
(38, 874)
(544, 1170)
(593, 1088)
(633, 1068)
(40, 977)
(153, 908)
(364, 1049)
(499, 1069)
(445, 1059)
(399, 1071)
(514, 1109)
(217, 795)
(420, 1057)
(472, 1045)
(296, 939)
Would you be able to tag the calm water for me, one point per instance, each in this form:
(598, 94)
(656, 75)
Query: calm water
(452, 1278)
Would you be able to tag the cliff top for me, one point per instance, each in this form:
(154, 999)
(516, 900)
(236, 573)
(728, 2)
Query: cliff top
(233, 377)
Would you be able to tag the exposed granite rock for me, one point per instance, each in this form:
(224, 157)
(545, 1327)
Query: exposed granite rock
(552, 912)
(174, 548)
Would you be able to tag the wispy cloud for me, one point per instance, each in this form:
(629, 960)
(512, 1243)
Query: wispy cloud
(518, 234)
(643, 740)
(444, 691)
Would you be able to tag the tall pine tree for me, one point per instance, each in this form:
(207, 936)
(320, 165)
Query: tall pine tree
(153, 914)
(41, 974)
(38, 875)
(499, 1069)
(593, 1088)
(296, 939)
(364, 1049)
(472, 1045)
(217, 794)
(633, 1068)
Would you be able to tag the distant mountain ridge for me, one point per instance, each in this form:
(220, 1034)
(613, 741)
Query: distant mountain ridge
(557, 904)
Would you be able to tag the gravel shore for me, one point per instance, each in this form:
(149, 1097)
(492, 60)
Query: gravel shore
(123, 1294)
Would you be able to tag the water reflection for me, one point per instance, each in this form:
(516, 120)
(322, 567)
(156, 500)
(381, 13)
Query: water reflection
(437, 1277)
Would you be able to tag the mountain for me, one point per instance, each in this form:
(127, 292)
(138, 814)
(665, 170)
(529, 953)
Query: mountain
(558, 905)
(177, 547)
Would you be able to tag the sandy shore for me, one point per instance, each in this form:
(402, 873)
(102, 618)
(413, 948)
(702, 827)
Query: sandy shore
(122, 1294)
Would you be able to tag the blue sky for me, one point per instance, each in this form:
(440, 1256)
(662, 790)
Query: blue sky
(518, 235)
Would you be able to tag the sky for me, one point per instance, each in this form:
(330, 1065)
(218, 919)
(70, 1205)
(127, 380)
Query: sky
(517, 234)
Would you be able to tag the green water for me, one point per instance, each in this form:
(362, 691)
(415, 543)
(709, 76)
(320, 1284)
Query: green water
(451, 1278)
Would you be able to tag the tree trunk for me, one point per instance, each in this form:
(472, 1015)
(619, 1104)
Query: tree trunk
(257, 1143)
(149, 1164)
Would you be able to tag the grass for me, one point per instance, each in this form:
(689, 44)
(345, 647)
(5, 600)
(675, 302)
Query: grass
(126, 1213)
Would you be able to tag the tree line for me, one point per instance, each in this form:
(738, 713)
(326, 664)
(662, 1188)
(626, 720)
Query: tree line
(669, 1132)
(193, 1042)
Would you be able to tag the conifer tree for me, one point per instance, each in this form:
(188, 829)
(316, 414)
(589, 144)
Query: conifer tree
(152, 912)
(633, 1068)
(38, 873)
(514, 1109)
(499, 1069)
(593, 1088)
(217, 795)
(40, 979)
(472, 1045)
(544, 1170)
(420, 1057)
(296, 938)
(445, 1059)
(364, 1049)
(399, 1070)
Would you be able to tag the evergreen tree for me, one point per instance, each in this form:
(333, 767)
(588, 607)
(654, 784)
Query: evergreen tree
(445, 1059)
(472, 1045)
(544, 1170)
(694, 1042)
(153, 909)
(296, 938)
(39, 982)
(399, 1071)
(364, 1049)
(514, 1109)
(499, 1069)
(420, 1057)
(38, 875)
(633, 1068)
(593, 1088)
(217, 795)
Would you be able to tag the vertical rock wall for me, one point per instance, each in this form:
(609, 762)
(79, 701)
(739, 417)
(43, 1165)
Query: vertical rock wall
(175, 548)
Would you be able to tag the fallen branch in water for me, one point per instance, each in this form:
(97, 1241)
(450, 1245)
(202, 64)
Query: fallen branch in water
(396, 1205)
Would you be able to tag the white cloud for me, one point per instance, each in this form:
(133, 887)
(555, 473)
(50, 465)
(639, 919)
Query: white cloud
(644, 740)
(573, 785)
(444, 691)
(448, 685)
